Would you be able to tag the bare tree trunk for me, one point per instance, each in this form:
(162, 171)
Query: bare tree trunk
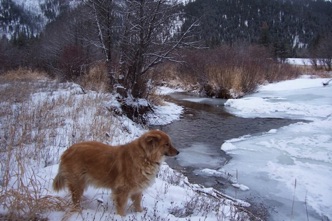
(104, 20)
(147, 39)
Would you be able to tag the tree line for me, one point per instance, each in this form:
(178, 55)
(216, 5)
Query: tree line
(290, 28)
(133, 37)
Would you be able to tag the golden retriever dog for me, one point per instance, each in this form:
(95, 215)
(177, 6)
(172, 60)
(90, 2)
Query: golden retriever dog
(126, 169)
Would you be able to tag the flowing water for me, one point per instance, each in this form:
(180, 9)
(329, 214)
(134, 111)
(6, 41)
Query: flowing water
(199, 134)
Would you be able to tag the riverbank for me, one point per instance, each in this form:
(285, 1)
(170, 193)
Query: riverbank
(41, 118)
(204, 126)
(287, 168)
(291, 165)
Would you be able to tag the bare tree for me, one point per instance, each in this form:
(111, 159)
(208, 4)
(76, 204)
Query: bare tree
(103, 15)
(106, 16)
(325, 50)
(65, 45)
(322, 55)
(149, 38)
(137, 34)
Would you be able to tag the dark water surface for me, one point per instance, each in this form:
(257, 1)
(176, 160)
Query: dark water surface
(203, 128)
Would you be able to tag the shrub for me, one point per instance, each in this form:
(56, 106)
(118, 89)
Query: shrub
(73, 62)
(232, 71)
(96, 79)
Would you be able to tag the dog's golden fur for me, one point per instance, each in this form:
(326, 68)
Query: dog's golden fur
(126, 169)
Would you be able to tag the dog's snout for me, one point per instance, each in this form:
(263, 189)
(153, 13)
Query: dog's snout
(171, 151)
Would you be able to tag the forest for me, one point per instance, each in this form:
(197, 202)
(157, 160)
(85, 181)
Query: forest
(291, 27)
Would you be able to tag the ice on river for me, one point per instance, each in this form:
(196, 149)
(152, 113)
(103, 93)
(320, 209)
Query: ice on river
(292, 161)
(199, 155)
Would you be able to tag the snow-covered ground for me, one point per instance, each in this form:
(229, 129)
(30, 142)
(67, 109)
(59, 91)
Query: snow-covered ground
(40, 119)
(299, 61)
(291, 165)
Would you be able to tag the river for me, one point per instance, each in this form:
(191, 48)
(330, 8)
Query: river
(203, 128)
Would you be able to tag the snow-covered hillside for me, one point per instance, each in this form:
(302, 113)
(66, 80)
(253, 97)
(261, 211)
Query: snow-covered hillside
(30, 5)
(29, 16)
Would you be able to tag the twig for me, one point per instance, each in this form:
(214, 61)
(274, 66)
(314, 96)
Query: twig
(326, 83)
(292, 214)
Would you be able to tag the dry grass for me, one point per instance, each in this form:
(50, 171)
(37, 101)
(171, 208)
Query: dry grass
(233, 80)
(306, 69)
(24, 74)
(171, 74)
(227, 72)
(37, 124)
(96, 79)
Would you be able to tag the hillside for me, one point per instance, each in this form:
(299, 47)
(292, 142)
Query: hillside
(288, 25)
(28, 18)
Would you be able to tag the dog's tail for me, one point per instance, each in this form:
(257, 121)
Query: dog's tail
(59, 182)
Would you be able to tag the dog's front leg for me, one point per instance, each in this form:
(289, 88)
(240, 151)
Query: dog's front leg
(120, 199)
(137, 198)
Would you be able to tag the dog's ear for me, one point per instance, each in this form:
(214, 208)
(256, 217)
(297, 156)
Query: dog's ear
(152, 139)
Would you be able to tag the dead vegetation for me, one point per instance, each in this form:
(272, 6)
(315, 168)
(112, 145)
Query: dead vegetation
(96, 78)
(37, 124)
(225, 72)
(39, 119)
(23, 74)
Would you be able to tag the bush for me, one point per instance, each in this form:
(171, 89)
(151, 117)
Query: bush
(96, 79)
(232, 71)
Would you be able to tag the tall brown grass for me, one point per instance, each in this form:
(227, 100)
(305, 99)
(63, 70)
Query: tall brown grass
(229, 71)
(37, 124)
(96, 78)
(24, 74)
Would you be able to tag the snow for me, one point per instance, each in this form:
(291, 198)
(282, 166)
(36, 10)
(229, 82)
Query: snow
(31, 5)
(291, 166)
(292, 161)
(163, 90)
(298, 99)
(164, 114)
(299, 61)
(41, 119)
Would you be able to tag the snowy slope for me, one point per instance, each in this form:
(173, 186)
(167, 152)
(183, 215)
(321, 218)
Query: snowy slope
(31, 5)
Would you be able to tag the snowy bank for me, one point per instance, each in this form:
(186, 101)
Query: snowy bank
(40, 120)
(292, 165)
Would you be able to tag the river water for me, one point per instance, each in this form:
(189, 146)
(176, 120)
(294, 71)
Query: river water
(203, 128)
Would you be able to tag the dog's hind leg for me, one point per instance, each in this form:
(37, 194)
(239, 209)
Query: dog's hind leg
(120, 199)
(137, 198)
(76, 190)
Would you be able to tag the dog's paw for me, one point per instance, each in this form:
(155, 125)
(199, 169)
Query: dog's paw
(139, 209)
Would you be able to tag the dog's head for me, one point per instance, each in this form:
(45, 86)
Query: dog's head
(157, 144)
